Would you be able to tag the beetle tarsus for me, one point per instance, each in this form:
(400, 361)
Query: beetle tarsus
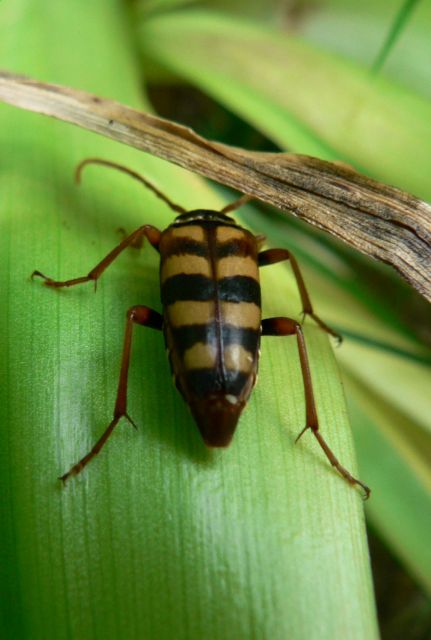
(130, 421)
(301, 433)
(324, 326)
(39, 274)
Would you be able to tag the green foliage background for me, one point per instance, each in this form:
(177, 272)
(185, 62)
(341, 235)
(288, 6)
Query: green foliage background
(160, 538)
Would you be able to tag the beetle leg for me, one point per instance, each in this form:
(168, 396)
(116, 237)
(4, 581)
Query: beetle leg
(137, 244)
(288, 327)
(272, 256)
(136, 315)
(151, 233)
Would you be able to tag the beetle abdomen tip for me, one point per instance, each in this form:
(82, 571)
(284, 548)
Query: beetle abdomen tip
(217, 417)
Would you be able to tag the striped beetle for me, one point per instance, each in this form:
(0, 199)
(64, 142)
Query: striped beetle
(212, 324)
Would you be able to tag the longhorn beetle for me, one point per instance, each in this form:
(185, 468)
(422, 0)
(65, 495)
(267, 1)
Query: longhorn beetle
(210, 293)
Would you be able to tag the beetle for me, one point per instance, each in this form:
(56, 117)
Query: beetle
(211, 321)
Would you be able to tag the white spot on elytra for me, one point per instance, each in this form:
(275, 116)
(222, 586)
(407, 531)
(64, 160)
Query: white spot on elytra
(232, 399)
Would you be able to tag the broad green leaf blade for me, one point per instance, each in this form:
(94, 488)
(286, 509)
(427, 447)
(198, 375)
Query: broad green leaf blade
(158, 538)
(304, 99)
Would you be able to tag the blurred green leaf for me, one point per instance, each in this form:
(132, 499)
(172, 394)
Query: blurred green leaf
(305, 99)
(358, 31)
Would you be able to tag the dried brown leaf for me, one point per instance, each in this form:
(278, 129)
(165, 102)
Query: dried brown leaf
(377, 219)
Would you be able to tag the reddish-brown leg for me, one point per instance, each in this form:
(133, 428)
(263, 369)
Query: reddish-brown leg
(272, 256)
(151, 233)
(135, 315)
(137, 244)
(288, 327)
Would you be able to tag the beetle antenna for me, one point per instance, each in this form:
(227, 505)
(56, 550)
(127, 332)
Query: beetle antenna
(236, 204)
(130, 172)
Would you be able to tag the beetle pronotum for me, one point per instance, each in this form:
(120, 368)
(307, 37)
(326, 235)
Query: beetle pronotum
(212, 324)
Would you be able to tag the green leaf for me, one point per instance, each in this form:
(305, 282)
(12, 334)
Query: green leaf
(358, 30)
(158, 538)
(303, 98)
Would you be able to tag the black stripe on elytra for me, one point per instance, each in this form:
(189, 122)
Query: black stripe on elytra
(201, 288)
(181, 246)
(239, 248)
(239, 289)
(204, 382)
(188, 335)
(183, 286)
